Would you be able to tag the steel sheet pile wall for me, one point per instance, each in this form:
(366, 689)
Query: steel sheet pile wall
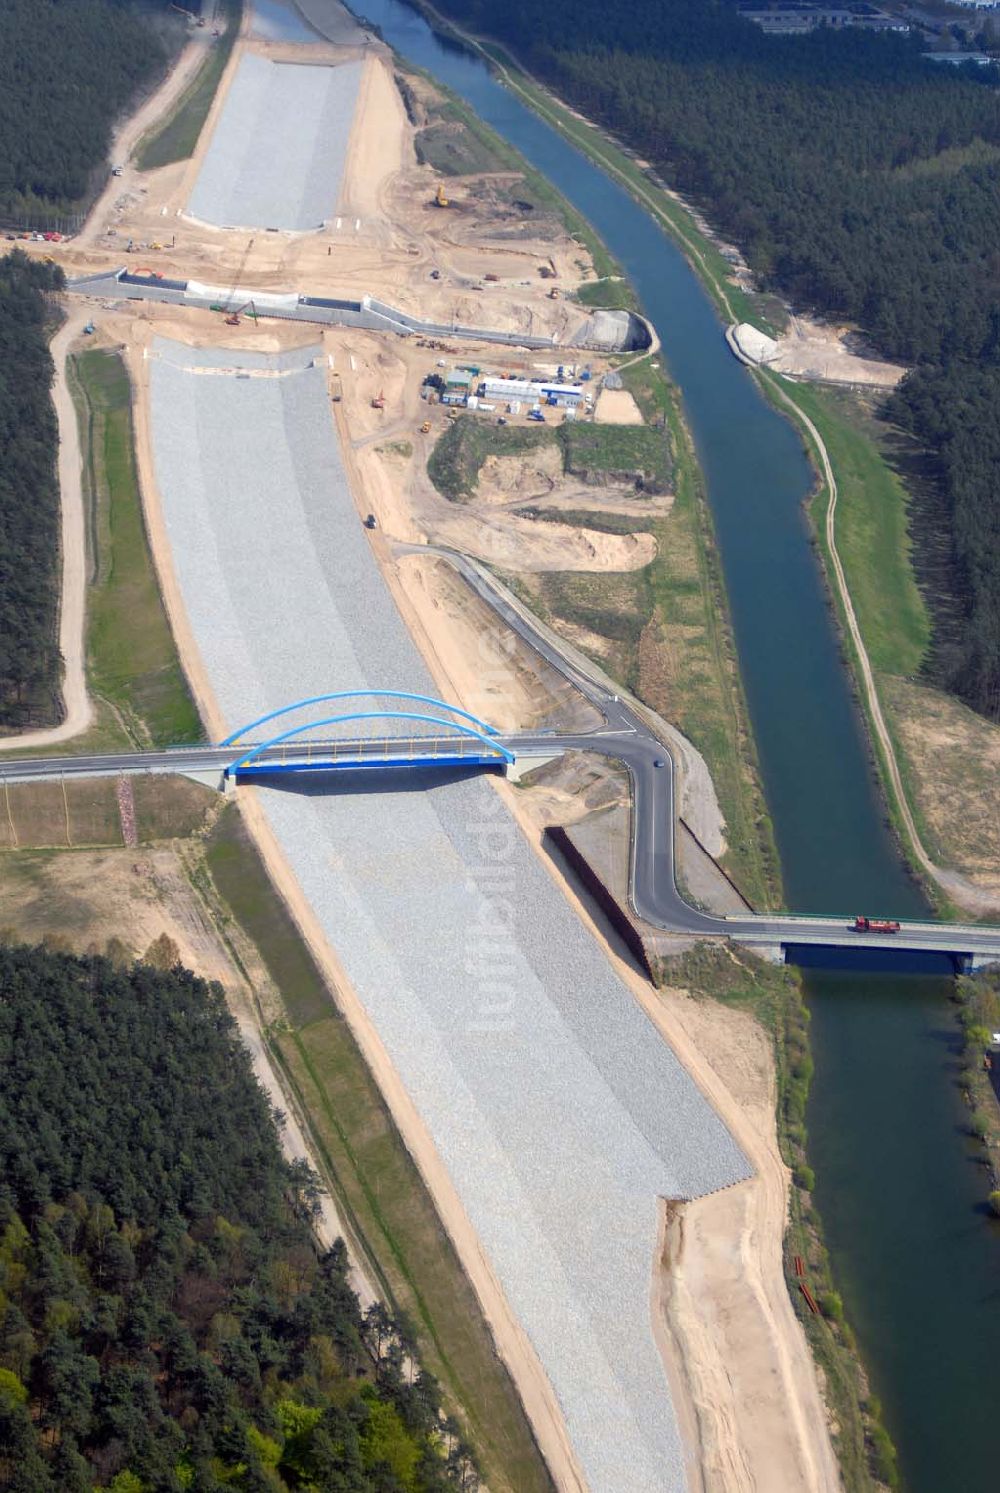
(560, 1114)
(276, 158)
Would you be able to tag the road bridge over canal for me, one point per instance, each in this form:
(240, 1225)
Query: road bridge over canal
(439, 738)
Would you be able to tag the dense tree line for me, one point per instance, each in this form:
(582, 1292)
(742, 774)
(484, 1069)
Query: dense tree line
(29, 496)
(165, 1321)
(68, 68)
(861, 181)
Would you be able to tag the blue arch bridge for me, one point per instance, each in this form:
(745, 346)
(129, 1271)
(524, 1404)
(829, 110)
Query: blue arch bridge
(438, 735)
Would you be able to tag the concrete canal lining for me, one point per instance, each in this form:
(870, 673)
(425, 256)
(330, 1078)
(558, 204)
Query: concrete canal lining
(558, 1111)
(276, 157)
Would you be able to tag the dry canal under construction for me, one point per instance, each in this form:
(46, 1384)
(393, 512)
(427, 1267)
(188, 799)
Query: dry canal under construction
(559, 1113)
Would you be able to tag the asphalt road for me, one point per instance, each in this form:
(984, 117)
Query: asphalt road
(624, 737)
(653, 891)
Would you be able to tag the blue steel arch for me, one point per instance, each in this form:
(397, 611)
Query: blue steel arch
(359, 694)
(497, 747)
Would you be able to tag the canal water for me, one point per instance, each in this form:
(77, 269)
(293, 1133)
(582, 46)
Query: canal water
(898, 1185)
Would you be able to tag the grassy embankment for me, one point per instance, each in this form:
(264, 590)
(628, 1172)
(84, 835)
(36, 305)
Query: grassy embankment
(773, 995)
(132, 663)
(175, 137)
(979, 1013)
(873, 542)
(370, 1173)
(661, 631)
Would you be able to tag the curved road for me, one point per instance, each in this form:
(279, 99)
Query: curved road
(653, 890)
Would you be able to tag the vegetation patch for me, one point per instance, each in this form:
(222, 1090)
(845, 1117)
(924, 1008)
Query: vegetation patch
(458, 456)
(628, 454)
(589, 518)
(773, 995)
(978, 997)
(613, 293)
(246, 888)
(636, 454)
(132, 661)
(872, 529)
(80, 812)
(30, 668)
(168, 1322)
(176, 136)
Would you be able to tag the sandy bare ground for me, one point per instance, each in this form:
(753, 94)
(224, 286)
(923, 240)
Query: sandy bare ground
(131, 131)
(617, 407)
(77, 708)
(953, 757)
(809, 349)
(483, 663)
(751, 1378)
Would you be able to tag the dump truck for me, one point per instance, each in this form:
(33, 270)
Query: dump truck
(875, 925)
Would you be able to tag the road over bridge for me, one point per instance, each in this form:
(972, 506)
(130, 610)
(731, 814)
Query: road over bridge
(653, 889)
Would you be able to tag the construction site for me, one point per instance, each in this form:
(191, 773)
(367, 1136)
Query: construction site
(306, 306)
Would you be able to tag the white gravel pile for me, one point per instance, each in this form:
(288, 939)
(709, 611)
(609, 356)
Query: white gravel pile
(560, 1114)
(276, 158)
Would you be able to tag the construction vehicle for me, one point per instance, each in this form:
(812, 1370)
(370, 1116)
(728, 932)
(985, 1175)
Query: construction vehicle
(875, 925)
(371, 522)
(435, 274)
(553, 294)
(378, 402)
(336, 388)
(233, 319)
(492, 278)
(239, 271)
(440, 200)
(88, 330)
(425, 428)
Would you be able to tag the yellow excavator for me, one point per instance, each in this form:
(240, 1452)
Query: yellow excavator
(440, 200)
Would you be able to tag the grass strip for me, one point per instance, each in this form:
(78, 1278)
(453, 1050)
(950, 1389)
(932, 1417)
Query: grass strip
(132, 662)
(175, 137)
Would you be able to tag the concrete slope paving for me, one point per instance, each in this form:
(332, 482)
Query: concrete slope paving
(276, 159)
(558, 1111)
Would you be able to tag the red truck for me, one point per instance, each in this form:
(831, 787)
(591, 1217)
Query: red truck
(875, 925)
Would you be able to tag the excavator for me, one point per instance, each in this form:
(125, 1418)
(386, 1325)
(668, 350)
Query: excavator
(440, 200)
(233, 319)
(378, 403)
